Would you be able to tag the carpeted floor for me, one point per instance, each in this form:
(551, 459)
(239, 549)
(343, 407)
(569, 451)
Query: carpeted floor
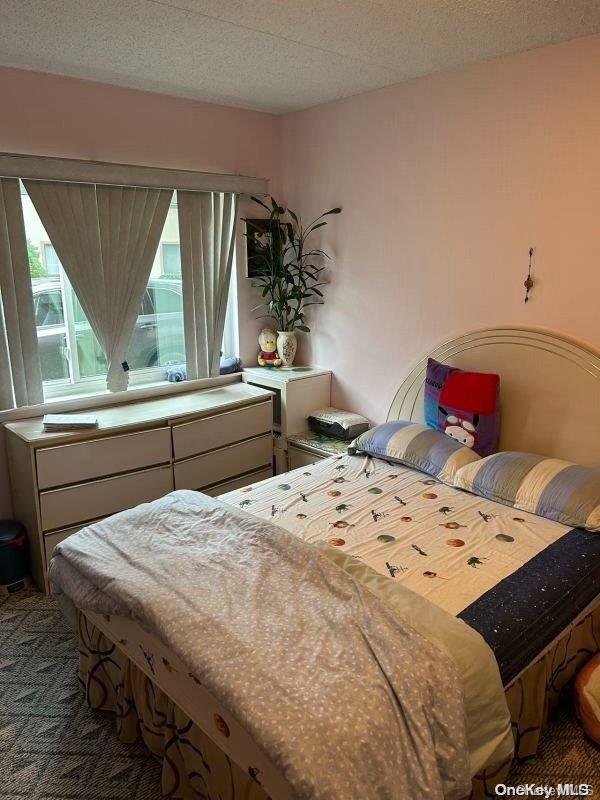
(566, 755)
(52, 747)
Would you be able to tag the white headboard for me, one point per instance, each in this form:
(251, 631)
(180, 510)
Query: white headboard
(549, 389)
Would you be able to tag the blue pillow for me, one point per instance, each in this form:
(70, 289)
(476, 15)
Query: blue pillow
(548, 487)
(415, 445)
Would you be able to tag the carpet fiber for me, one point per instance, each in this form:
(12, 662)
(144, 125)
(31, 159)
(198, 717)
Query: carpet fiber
(52, 747)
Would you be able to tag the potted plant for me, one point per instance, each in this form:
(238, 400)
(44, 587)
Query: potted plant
(287, 270)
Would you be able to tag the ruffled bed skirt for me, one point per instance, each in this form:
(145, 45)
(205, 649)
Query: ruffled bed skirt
(534, 695)
(194, 767)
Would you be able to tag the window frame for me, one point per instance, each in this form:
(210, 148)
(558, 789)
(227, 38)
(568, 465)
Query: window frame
(89, 387)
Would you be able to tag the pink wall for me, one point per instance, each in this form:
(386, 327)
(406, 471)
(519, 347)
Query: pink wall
(56, 116)
(445, 183)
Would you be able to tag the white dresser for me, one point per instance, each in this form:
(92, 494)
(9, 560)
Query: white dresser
(214, 440)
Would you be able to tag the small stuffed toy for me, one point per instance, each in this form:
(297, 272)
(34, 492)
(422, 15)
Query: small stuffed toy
(268, 356)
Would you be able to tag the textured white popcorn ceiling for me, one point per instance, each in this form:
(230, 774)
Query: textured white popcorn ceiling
(276, 55)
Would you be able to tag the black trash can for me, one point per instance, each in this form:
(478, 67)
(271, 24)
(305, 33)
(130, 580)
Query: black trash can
(14, 562)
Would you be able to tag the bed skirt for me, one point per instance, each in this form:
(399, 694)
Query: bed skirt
(194, 767)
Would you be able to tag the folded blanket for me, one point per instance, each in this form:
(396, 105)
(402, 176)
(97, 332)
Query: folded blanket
(343, 696)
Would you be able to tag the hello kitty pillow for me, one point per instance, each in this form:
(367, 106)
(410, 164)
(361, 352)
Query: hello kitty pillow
(464, 405)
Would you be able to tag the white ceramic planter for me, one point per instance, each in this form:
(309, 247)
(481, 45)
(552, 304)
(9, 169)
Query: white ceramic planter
(287, 344)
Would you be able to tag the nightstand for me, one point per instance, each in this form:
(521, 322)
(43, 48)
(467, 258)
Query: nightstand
(298, 391)
(308, 447)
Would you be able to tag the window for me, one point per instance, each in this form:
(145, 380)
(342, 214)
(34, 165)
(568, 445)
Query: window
(158, 339)
(52, 341)
(171, 259)
(51, 262)
(71, 359)
(48, 307)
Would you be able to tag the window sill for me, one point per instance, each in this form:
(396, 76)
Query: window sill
(105, 398)
(58, 396)
(56, 391)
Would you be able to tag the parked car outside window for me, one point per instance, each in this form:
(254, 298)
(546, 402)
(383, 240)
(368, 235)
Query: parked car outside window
(157, 341)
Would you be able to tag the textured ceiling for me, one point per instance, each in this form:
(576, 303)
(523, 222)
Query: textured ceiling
(275, 55)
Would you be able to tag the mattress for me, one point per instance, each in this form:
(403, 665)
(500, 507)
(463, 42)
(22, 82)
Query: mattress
(517, 578)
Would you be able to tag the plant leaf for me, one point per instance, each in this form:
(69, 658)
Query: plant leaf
(260, 203)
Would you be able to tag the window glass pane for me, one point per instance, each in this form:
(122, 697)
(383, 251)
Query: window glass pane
(90, 359)
(148, 302)
(51, 262)
(230, 345)
(52, 340)
(158, 339)
(168, 299)
(67, 346)
(48, 306)
(169, 315)
(78, 314)
(171, 260)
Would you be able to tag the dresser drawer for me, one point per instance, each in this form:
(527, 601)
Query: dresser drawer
(219, 465)
(209, 433)
(238, 483)
(82, 461)
(61, 508)
(302, 458)
(52, 539)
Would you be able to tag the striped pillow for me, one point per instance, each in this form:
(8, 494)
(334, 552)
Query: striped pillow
(417, 446)
(544, 486)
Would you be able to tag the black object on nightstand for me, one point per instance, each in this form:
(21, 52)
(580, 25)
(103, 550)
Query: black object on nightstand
(338, 424)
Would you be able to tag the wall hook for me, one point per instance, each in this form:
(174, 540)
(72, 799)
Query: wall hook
(528, 284)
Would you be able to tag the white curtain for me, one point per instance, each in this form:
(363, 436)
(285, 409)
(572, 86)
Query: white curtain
(130, 222)
(106, 238)
(207, 235)
(20, 374)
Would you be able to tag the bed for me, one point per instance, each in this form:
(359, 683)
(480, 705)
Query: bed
(517, 579)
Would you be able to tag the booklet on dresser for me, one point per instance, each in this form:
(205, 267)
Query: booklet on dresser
(69, 422)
